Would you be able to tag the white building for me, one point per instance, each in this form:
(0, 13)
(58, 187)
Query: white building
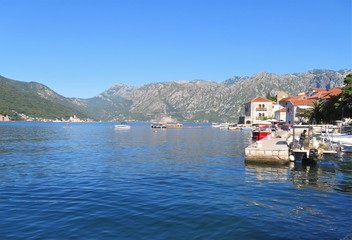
(280, 115)
(258, 109)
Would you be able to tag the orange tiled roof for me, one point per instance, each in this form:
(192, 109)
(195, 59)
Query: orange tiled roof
(303, 102)
(326, 94)
(334, 91)
(260, 99)
(320, 93)
(293, 98)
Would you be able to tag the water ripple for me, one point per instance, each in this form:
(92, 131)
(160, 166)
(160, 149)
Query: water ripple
(92, 182)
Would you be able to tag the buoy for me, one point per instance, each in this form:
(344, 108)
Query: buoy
(292, 158)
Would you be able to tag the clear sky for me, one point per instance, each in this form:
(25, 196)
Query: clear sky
(79, 48)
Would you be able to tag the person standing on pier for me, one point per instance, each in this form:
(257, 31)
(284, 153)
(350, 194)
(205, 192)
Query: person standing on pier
(302, 138)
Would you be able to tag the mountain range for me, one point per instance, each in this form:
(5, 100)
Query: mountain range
(195, 100)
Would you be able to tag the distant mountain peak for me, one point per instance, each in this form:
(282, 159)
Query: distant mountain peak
(264, 75)
(196, 100)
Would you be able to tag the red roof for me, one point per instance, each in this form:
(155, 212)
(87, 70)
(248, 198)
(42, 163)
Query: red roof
(326, 93)
(260, 99)
(303, 102)
(334, 91)
(293, 98)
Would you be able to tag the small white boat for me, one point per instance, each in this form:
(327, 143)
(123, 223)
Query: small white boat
(344, 140)
(224, 125)
(122, 126)
(233, 127)
(341, 138)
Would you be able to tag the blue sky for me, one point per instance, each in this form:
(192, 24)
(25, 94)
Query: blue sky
(80, 48)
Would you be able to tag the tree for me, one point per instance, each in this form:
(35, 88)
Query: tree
(346, 97)
(334, 108)
(316, 112)
(271, 98)
(330, 112)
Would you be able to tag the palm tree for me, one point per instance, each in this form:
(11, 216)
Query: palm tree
(334, 108)
(316, 115)
(346, 96)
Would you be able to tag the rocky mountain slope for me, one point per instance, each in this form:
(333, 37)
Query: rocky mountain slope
(187, 100)
(205, 100)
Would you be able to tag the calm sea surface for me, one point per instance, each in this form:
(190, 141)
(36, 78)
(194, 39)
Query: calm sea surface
(93, 182)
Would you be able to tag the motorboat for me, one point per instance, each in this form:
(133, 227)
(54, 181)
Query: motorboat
(315, 144)
(233, 127)
(261, 130)
(122, 126)
(224, 125)
(342, 139)
(157, 125)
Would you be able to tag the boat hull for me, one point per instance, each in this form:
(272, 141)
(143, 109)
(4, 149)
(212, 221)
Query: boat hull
(122, 127)
(258, 135)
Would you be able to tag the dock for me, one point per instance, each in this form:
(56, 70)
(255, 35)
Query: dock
(272, 150)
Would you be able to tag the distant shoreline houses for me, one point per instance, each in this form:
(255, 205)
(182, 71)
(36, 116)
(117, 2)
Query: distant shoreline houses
(285, 109)
(4, 118)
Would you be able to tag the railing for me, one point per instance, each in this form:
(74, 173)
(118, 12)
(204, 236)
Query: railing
(261, 109)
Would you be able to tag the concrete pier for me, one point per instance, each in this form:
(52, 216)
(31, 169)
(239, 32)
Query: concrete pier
(272, 149)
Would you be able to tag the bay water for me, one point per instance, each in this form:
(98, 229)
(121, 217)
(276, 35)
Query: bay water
(90, 181)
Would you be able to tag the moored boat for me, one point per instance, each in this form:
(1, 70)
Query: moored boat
(261, 130)
(215, 125)
(342, 139)
(224, 125)
(157, 125)
(233, 127)
(122, 126)
(309, 143)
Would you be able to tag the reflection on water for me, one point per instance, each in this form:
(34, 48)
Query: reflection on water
(268, 172)
(326, 176)
(319, 176)
(90, 180)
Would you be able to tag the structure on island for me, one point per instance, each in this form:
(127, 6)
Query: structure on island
(167, 122)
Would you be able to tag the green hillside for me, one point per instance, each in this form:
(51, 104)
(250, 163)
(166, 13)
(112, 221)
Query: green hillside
(34, 100)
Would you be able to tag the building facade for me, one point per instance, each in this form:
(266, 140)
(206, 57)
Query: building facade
(257, 110)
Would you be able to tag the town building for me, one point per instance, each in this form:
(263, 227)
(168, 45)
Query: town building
(280, 115)
(257, 110)
(295, 106)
